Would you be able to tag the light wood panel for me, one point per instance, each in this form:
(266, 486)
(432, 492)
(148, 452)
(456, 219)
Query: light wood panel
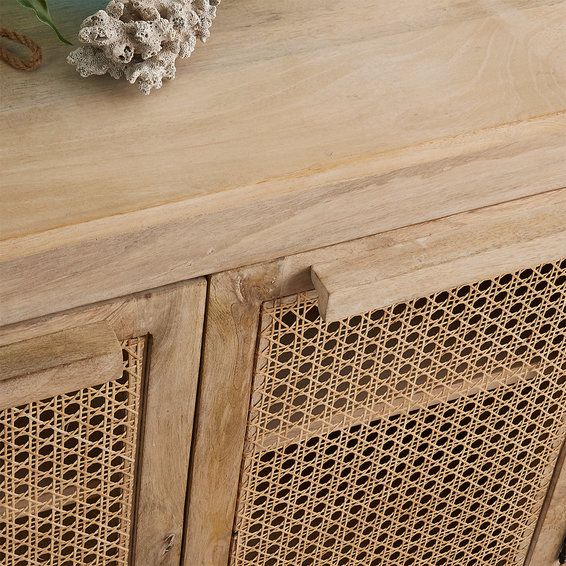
(173, 317)
(63, 361)
(230, 334)
(298, 125)
(128, 253)
(470, 247)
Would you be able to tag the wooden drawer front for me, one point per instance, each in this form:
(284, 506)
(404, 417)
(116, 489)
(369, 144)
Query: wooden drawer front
(69, 470)
(422, 433)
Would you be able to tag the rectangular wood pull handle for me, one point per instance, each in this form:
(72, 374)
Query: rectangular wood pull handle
(440, 255)
(57, 363)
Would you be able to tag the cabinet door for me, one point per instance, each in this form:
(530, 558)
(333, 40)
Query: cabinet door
(96, 413)
(423, 431)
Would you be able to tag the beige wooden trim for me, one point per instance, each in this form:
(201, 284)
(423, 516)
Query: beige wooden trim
(226, 372)
(442, 256)
(552, 524)
(173, 317)
(97, 260)
(45, 366)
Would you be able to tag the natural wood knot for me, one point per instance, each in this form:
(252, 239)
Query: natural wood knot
(168, 543)
(12, 59)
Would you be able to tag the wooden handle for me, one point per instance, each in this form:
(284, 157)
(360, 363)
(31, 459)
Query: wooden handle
(441, 255)
(58, 363)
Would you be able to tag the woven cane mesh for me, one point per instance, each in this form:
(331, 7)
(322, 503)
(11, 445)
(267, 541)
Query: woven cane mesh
(424, 434)
(67, 473)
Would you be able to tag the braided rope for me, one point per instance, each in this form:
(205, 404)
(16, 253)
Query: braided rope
(13, 60)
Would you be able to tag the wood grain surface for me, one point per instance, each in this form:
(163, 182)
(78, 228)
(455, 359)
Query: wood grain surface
(469, 247)
(282, 89)
(228, 356)
(299, 125)
(57, 363)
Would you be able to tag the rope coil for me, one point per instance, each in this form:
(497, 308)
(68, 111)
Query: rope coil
(12, 59)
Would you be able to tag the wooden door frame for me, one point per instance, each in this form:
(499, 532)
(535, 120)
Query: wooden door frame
(172, 316)
(233, 311)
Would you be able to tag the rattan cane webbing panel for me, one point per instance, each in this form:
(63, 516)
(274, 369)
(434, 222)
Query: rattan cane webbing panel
(67, 473)
(421, 434)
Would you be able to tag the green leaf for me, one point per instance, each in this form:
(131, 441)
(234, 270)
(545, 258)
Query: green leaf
(42, 12)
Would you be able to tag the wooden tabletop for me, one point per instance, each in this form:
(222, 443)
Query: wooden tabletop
(453, 105)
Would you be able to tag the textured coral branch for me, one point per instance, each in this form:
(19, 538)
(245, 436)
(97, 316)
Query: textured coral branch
(141, 39)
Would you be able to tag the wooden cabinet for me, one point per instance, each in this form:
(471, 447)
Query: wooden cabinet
(421, 430)
(376, 192)
(96, 414)
(394, 400)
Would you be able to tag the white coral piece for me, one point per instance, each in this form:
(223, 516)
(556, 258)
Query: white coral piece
(141, 39)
